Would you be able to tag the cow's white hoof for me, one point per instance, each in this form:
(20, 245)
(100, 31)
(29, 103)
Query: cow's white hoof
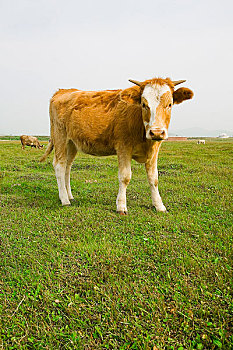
(66, 203)
(161, 209)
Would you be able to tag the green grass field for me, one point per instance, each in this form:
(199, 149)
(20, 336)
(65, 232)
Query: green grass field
(82, 277)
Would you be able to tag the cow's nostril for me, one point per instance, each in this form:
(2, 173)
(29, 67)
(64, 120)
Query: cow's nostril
(151, 133)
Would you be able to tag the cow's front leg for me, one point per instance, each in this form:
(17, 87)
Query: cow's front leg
(124, 176)
(152, 175)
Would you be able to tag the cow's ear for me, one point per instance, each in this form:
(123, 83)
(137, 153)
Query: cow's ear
(181, 95)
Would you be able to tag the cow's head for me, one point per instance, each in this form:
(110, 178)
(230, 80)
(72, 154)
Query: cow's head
(157, 99)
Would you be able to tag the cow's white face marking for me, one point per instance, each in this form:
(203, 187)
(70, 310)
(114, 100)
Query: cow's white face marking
(152, 96)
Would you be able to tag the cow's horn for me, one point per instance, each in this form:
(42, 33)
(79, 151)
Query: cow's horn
(135, 82)
(178, 82)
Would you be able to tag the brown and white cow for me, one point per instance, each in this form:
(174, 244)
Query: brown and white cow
(130, 123)
(30, 141)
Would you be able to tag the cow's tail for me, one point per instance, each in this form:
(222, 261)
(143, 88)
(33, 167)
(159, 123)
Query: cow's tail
(48, 151)
(51, 142)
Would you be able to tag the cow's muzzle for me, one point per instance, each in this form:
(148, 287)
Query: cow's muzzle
(157, 134)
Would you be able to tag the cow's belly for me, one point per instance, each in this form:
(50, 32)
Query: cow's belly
(94, 149)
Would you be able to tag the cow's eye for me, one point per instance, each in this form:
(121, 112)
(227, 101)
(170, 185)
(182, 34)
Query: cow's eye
(169, 105)
(144, 105)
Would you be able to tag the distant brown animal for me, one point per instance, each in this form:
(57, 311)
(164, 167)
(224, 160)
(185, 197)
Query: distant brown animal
(130, 123)
(30, 141)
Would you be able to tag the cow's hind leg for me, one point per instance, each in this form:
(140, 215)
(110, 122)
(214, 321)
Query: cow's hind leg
(59, 164)
(124, 175)
(71, 153)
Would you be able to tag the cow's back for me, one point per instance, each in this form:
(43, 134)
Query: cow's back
(29, 140)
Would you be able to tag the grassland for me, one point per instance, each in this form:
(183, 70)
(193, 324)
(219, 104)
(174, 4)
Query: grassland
(82, 277)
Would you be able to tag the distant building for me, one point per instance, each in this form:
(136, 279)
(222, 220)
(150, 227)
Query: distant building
(223, 136)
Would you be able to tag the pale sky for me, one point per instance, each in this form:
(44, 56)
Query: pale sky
(97, 45)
